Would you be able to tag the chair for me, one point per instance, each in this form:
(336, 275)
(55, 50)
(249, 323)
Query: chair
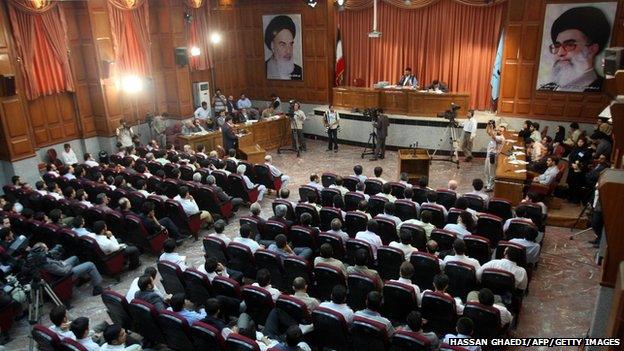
(266, 178)
(137, 234)
(301, 236)
(325, 278)
(254, 223)
(327, 196)
(327, 215)
(208, 200)
(237, 342)
(350, 182)
(92, 215)
(328, 179)
(115, 223)
(419, 236)
(444, 238)
(155, 185)
(171, 277)
(439, 311)
(273, 229)
(478, 248)
(215, 247)
(45, 339)
(231, 165)
(376, 205)
(117, 309)
(408, 341)
(176, 330)
(258, 301)
(186, 172)
(519, 228)
(399, 301)
(475, 202)
(294, 307)
(206, 337)
(453, 215)
(500, 207)
(239, 189)
(273, 263)
(487, 320)
(398, 190)
(426, 266)
(355, 222)
(136, 200)
(111, 264)
(389, 261)
(63, 286)
(405, 209)
(144, 316)
(437, 215)
(241, 259)
(330, 330)
(290, 211)
(373, 187)
(154, 167)
(295, 266)
(307, 208)
(420, 194)
(534, 212)
(67, 344)
(446, 198)
(352, 246)
(336, 243)
(359, 287)
(462, 279)
(352, 200)
(368, 334)
(305, 190)
(222, 286)
(386, 230)
(503, 245)
(188, 225)
(197, 286)
(491, 227)
(221, 180)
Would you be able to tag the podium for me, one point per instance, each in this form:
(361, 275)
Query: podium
(249, 150)
(414, 162)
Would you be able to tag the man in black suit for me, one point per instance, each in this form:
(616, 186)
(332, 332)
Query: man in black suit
(229, 136)
(222, 195)
(408, 79)
(436, 86)
(279, 37)
(153, 225)
(146, 293)
(381, 128)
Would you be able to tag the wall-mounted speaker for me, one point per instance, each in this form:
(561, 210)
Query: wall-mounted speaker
(181, 56)
(613, 60)
(7, 85)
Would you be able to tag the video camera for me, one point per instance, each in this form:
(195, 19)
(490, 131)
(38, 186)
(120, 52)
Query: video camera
(371, 113)
(451, 114)
(291, 108)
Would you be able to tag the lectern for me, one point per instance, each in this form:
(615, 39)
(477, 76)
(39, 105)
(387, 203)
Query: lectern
(414, 162)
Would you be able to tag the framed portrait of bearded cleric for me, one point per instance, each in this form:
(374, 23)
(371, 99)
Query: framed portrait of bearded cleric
(573, 42)
(282, 46)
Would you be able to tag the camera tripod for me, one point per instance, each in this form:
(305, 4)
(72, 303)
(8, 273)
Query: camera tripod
(370, 144)
(451, 134)
(35, 303)
(295, 138)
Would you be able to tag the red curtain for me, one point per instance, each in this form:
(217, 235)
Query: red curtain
(198, 32)
(129, 21)
(449, 41)
(39, 30)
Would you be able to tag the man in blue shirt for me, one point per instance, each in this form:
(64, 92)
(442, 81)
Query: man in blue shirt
(184, 308)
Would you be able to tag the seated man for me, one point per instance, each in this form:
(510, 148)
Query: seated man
(305, 220)
(57, 267)
(185, 308)
(275, 172)
(409, 194)
(440, 284)
(464, 328)
(551, 172)
(404, 179)
(244, 239)
(80, 328)
(240, 170)
(219, 227)
(283, 250)
(486, 297)
(477, 185)
(284, 194)
(169, 255)
(363, 208)
(148, 293)
(213, 318)
(263, 280)
(406, 243)
(462, 204)
(432, 198)
(326, 257)
(280, 216)
(508, 263)
(213, 268)
(115, 337)
(60, 322)
(373, 306)
(134, 286)
(222, 195)
(232, 156)
(79, 229)
(378, 171)
(386, 191)
(452, 186)
(312, 200)
(437, 86)
(336, 228)
(293, 341)
(465, 223)
(389, 213)
(406, 271)
(190, 207)
(153, 225)
(338, 185)
(521, 216)
(370, 236)
(459, 247)
(109, 244)
(89, 161)
(527, 239)
(360, 188)
(414, 324)
(357, 172)
(315, 182)
(338, 303)
(361, 260)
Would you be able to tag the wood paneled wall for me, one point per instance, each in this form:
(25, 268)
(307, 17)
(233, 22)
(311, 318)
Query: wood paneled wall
(518, 96)
(239, 59)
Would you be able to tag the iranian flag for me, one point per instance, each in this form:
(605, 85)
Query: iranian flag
(340, 63)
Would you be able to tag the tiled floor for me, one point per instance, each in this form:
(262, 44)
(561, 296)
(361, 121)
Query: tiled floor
(562, 291)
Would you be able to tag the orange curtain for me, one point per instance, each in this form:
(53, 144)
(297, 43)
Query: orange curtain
(197, 32)
(449, 41)
(129, 21)
(39, 30)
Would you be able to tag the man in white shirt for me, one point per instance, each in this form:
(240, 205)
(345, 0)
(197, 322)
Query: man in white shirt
(80, 328)
(465, 327)
(79, 229)
(440, 284)
(60, 322)
(338, 186)
(550, 173)
(315, 182)
(406, 271)
(202, 112)
(89, 161)
(55, 191)
(213, 268)
(338, 303)
(530, 244)
(508, 263)
(109, 244)
(487, 298)
(244, 239)
(268, 161)
(389, 210)
(493, 148)
(219, 227)
(521, 216)
(68, 156)
(115, 337)
(405, 245)
(404, 179)
(477, 185)
(373, 306)
(459, 246)
(299, 119)
(40, 187)
(69, 175)
(378, 171)
(190, 207)
(360, 188)
(470, 132)
(134, 286)
(465, 222)
(262, 189)
(370, 237)
(357, 172)
(386, 191)
(263, 280)
(124, 133)
(173, 257)
(432, 199)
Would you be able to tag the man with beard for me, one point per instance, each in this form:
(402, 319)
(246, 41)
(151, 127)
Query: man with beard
(578, 35)
(279, 37)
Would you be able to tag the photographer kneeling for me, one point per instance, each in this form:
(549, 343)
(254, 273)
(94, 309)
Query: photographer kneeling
(42, 258)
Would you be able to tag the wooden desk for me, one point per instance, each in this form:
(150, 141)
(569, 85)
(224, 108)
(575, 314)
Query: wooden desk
(414, 162)
(268, 134)
(508, 183)
(399, 101)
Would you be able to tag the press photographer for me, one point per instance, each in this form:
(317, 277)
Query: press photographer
(331, 121)
(380, 122)
(470, 132)
(298, 117)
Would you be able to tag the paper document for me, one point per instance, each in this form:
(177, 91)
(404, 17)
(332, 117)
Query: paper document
(520, 171)
(516, 147)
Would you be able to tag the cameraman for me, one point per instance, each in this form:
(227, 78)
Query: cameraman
(381, 128)
(493, 148)
(299, 117)
(470, 132)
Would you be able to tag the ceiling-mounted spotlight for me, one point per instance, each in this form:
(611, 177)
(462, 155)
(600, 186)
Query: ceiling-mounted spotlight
(340, 4)
(407, 2)
(311, 3)
(188, 18)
